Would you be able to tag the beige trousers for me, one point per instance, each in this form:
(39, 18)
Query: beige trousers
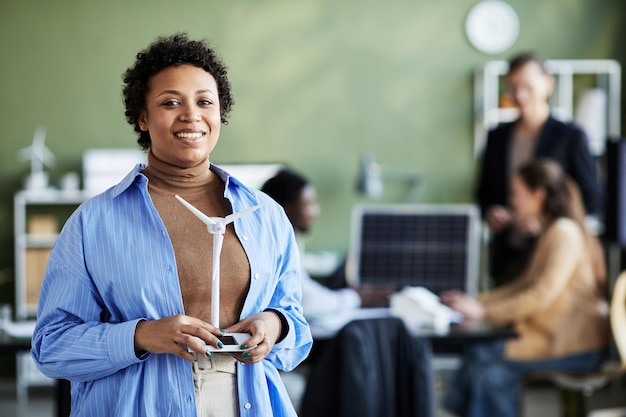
(215, 382)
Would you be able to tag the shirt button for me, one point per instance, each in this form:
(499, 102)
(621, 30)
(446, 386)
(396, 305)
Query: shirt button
(247, 406)
(256, 276)
(244, 237)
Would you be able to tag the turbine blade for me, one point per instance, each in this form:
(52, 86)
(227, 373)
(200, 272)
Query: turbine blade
(232, 217)
(39, 137)
(24, 153)
(40, 134)
(203, 217)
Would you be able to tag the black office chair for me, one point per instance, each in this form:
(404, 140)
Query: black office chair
(372, 368)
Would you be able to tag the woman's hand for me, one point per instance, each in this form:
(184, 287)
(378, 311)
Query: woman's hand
(498, 218)
(166, 335)
(264, 329)
(376, 296)
(470, 307)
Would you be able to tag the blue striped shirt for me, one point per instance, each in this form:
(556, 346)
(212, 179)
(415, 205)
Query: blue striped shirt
(114, 265)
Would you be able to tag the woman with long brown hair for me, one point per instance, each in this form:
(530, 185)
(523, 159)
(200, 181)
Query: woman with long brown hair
(556, 304)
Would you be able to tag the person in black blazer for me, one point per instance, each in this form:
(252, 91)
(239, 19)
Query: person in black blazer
(535, 134)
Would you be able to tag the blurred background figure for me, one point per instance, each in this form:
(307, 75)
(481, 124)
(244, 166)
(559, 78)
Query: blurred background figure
(555, 304)
(535, 134)
(337, 383)
(299, 199)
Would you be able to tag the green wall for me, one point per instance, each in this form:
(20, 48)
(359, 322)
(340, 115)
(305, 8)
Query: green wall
(316, 84)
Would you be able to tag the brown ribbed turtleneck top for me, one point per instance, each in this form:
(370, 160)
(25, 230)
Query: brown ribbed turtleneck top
(192, 243)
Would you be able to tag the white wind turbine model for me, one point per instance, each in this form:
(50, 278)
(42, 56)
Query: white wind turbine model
(39, 155)
(217, 227)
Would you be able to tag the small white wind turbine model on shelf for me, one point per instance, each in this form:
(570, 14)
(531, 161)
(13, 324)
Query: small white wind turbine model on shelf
(217, 227)
(39, 155)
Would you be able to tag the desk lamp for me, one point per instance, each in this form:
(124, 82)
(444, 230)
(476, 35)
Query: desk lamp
(372, 174)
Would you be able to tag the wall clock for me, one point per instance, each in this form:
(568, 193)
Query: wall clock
(492, 26)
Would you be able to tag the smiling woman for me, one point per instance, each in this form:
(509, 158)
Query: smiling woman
(182, 115)
(165, 53)
(128, 283)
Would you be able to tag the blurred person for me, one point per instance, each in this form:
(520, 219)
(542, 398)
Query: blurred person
(555, 305)
(535, 134)
(338, 383)
(125, 305)
(299, 199)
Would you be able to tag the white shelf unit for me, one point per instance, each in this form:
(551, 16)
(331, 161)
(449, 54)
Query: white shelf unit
(27, 293)
(488, 87)
(24, 201)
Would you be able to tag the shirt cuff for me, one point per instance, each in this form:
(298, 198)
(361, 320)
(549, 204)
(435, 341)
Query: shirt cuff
(121, 344)
(284, 325)
(352, 298)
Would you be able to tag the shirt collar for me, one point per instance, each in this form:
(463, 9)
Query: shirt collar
(136, 176)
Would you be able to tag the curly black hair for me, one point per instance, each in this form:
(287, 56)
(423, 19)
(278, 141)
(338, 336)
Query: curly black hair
(165, 52)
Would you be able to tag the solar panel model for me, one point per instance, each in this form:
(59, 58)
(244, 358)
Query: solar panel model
(434, 246)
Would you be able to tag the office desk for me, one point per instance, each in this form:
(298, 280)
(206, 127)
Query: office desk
(468, 331)
(10, 345)
(460, 335)
(444, 344)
